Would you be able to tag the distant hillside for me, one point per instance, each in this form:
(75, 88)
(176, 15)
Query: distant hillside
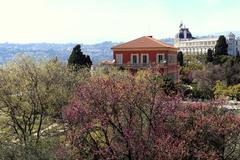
(237, 34)
(98, 52)
(168, 41)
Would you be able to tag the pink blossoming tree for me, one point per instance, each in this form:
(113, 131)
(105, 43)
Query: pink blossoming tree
(121, 116)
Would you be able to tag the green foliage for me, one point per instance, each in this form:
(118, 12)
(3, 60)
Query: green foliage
(115, 114)
(47, 149)
(168, 86)
(198, 93)
(232, 71)
(192, 63)
(32, 95)
(205, 80)
(224, 68)
(201, 58)
(162, 83)
(78, 59)
(221, 59)
(221, 47)
(228, 91)
(184, 90)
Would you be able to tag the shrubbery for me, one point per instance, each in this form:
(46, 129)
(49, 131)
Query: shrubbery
(53, 112)
(32, 95)
(120, 116)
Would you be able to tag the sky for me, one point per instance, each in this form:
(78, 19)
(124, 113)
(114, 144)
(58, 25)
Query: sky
(94, 21)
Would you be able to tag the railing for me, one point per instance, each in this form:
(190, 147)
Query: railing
(140, 65)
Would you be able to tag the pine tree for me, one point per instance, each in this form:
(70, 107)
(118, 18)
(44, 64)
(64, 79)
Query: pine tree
(221, 47)
(78, 59)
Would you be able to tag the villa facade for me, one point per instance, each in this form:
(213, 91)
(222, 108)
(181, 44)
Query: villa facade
(147, 52)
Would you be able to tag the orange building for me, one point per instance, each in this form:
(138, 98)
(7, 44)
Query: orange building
(147, 52)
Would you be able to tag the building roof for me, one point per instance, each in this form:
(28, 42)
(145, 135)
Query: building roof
(146, 42)
(184, 33)
(204, 39)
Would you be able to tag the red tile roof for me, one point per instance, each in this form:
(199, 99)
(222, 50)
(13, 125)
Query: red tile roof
(145, 42)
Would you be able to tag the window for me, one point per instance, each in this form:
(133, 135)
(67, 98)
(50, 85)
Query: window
(119, 59)
(134, 58)
(160, 58)
(144, 59)
(172, 59)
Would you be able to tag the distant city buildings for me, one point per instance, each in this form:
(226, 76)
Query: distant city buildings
(191, 45)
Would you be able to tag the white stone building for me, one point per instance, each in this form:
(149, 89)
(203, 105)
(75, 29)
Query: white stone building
(191, 45)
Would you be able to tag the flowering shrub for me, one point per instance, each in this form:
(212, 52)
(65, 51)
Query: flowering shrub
(129, 117)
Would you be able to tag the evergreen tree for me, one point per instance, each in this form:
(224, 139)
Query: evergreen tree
(238, 57)
(221, 47)
(77, 58)
(180, 58)
(88, 59)
(209, 55)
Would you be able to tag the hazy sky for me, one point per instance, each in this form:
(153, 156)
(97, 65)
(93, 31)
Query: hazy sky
(91, 21)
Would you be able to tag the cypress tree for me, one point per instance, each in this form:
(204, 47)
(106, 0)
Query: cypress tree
(88, 60)
(209, 55)
(78, 59)
(237, 57)
(221, 47)
(180, 58)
